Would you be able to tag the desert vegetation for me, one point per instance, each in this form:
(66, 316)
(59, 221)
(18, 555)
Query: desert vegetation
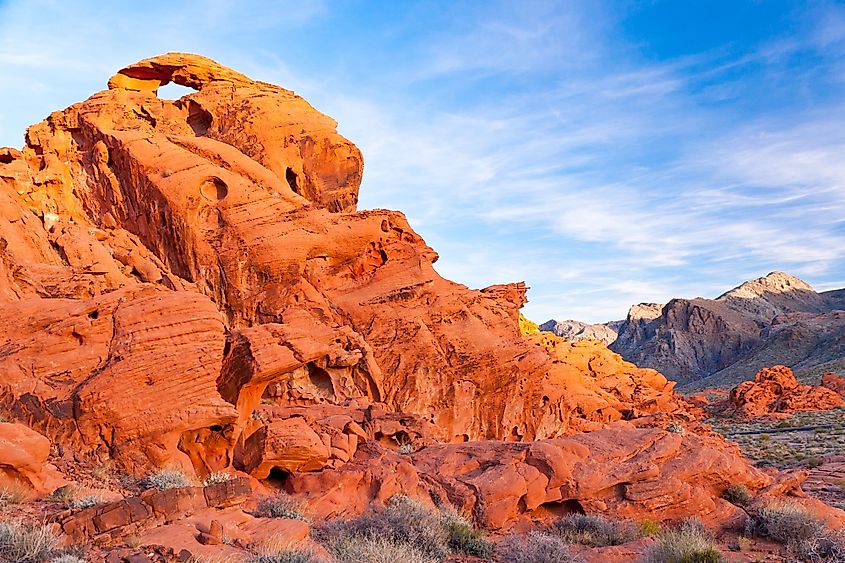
(687, 542)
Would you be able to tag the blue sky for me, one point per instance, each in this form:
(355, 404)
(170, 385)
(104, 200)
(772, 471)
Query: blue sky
(607, 153)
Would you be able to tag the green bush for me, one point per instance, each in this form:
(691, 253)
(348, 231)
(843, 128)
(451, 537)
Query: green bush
(737, 494)
(649, 528)
(281, 505)
(814, 461)
(26, 543)
(595, 530)
(464, 538)
(689, 542)
(166, 479)
(537, 547)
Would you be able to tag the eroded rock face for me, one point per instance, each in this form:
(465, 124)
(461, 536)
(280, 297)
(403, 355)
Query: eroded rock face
(620, 471)
(188, 283)
(775, 390)
(206, 252)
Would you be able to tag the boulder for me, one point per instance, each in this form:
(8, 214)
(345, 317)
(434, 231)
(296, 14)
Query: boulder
(775, 390)
(23, 461)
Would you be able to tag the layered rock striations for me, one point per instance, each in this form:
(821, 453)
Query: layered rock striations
(188, 283)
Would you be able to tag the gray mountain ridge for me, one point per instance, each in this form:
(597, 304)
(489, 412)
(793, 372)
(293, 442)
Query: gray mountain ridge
(775, 319)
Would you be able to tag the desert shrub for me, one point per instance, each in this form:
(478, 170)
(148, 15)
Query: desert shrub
(743, 543)
(217, 477)
(405, 449)
(15, 493)
(814, 461)
(281, 505)
(804, 535)
(689, 542)
(285, 556)
(64, 494)
(737, 494)
(595, 530)
(537, 547)
(374, 549)
(67, 558)
(84, 502)
(783, 522)
(649, 528)
(827, 546)
(26, 543)
(166, 479)
(404, 521)
(675, 428)
(463, 537)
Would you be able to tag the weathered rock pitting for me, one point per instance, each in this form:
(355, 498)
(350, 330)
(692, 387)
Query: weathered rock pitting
(188, 283)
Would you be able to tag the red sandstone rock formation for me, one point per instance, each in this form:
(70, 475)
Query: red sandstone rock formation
(621, 471)
(23, 462)
(205, 251)
(775, 390)
(834, 383)
(188, 282)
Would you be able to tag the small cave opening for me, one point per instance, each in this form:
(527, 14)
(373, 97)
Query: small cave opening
(321, 379)
(216, 428)
(561, 508)
(291, 178)
(8, 158)
(94, 314)
(198, 119)
(278, 477)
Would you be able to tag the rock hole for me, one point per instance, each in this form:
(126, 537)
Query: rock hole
(216, 428)
(172, 91)
(290, 176)
(8, 158)
(214, 189)
(321, 379)
(93, 314)
(278, 477)
(562, 508)
(198, 119)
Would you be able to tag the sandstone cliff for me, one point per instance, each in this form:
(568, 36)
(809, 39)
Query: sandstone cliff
(188, 284)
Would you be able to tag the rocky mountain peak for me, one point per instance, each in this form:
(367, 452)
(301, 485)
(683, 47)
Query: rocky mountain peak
(774, 282)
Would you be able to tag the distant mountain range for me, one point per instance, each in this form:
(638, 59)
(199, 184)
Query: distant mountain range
(776, 319)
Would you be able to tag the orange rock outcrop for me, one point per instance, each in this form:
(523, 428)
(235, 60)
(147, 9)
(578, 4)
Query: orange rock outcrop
(834, 383)
(775, 390)
(189, 283)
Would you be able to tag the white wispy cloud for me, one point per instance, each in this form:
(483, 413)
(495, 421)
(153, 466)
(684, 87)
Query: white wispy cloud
(528, 140)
